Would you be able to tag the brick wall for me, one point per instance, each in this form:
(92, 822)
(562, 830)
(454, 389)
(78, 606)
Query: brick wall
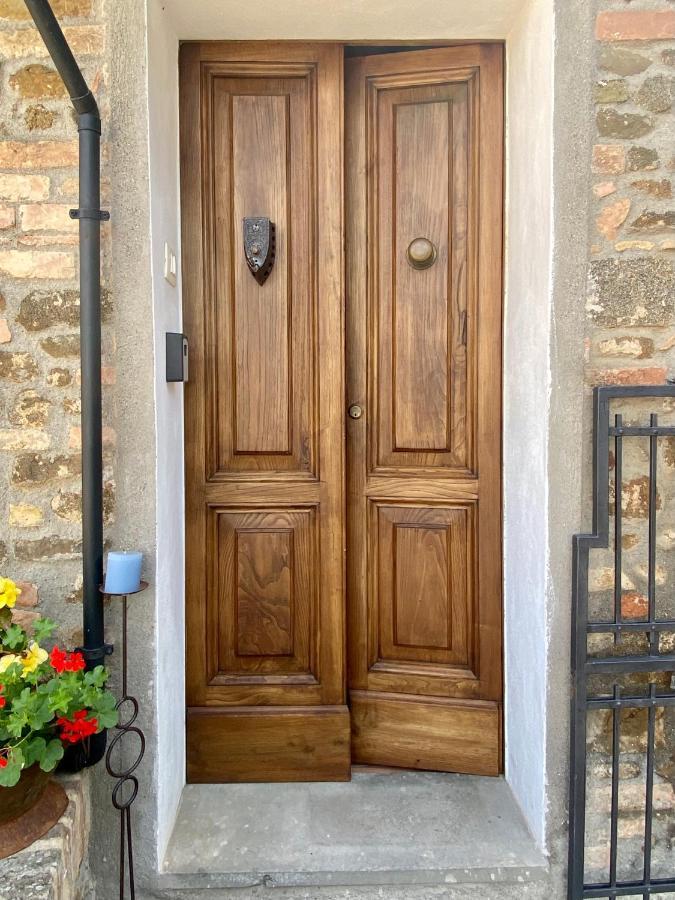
(631, 340)
(39, 312)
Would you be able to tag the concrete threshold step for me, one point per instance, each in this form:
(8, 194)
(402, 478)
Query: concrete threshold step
(379, 830)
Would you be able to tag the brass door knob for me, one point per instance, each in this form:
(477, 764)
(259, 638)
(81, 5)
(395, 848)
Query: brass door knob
(355, 411)
(421, 253)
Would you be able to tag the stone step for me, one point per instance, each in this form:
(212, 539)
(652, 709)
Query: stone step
(409, 834)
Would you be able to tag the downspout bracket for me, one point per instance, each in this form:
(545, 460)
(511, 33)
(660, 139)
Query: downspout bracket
(96, 653)
(102, 215)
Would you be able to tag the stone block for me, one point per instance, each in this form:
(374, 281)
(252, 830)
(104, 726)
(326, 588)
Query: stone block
(40, 310)
(660, 189)
(36, 469)
(7, 217)
(23, 187)
(5, 333)
(635, 25)
(38, 82)
(16, 9)
(621, 61)
(635, 347)
(29, 596)
(613, 91)
(650, 221)
(634, 605)
(651, 375)
(62, 346)
(37, 264)
(30, 410)
(25, 515)
(632, 292)
(24, 618)
(641, 246)
(38, 118)
(17, 367)
(47, 217)
(609, 159)
(51, 547)
(39, 154)
(84, 40)
(656, 94)
(612, 217)
(642, 158)
(59, 377)
(614, 124)
(19, 439)
(604, 189)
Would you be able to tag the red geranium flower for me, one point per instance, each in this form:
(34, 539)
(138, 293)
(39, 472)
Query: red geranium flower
(3, 762)
(78, 728)
(66, 662)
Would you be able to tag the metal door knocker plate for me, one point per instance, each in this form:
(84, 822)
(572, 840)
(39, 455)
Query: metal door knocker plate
(421, 253)
(259, 246)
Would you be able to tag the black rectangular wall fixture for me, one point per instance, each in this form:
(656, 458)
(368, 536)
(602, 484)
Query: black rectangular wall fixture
(176, 357)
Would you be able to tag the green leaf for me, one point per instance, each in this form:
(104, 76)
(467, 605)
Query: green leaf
(33, 750)
(10, 774)
(96, 678)
(42, 628)
(52, 754)
(15, 638)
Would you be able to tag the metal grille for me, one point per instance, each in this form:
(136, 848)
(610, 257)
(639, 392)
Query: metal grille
(628, 677)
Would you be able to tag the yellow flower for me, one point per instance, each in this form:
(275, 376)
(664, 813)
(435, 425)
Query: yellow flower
(6, 661)
(33, 657)
(8, 593)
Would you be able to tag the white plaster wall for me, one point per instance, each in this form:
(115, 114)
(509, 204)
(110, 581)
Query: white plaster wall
(527, 385)
(167, 308)
(527, 26)
(343, 20)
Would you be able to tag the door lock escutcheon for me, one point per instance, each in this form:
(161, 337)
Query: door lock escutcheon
(260, 246)
(355, 411)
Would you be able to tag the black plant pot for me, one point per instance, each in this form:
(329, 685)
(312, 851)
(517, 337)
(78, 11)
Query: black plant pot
(84, 754)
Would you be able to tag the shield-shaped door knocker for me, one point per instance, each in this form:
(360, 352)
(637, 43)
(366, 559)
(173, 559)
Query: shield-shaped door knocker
(259, 246)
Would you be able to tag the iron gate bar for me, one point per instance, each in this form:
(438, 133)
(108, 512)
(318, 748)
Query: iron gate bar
(584, 665)
(630, 888)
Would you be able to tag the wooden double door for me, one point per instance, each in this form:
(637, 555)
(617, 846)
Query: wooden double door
(343, 415)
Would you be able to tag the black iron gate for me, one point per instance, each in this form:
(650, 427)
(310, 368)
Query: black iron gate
(628, 683)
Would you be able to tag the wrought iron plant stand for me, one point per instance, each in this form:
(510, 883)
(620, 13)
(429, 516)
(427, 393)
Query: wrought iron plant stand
(125, 789)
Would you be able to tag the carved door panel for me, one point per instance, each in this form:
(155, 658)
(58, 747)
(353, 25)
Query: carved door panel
(424, 161)
(261, 137)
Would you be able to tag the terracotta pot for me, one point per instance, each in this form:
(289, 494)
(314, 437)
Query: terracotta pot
(18, 800)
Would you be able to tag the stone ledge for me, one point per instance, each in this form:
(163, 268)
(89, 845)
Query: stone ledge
(50, 869)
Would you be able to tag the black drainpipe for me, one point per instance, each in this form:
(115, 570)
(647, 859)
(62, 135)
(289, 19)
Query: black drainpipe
(90, 216)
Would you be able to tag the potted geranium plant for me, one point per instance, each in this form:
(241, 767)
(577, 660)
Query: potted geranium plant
(47, 701)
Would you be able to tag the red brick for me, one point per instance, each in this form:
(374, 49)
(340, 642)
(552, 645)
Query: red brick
(649, 375)
(635, 25)
(29, 594)
(634, 605)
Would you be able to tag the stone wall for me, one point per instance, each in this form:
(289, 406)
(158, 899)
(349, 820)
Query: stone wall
(631, 340)
(630, 336)
(40, 465)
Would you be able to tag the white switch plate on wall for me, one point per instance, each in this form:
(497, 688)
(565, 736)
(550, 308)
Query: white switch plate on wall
(169, 265)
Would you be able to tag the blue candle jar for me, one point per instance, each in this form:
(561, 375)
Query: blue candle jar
(123, 572)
